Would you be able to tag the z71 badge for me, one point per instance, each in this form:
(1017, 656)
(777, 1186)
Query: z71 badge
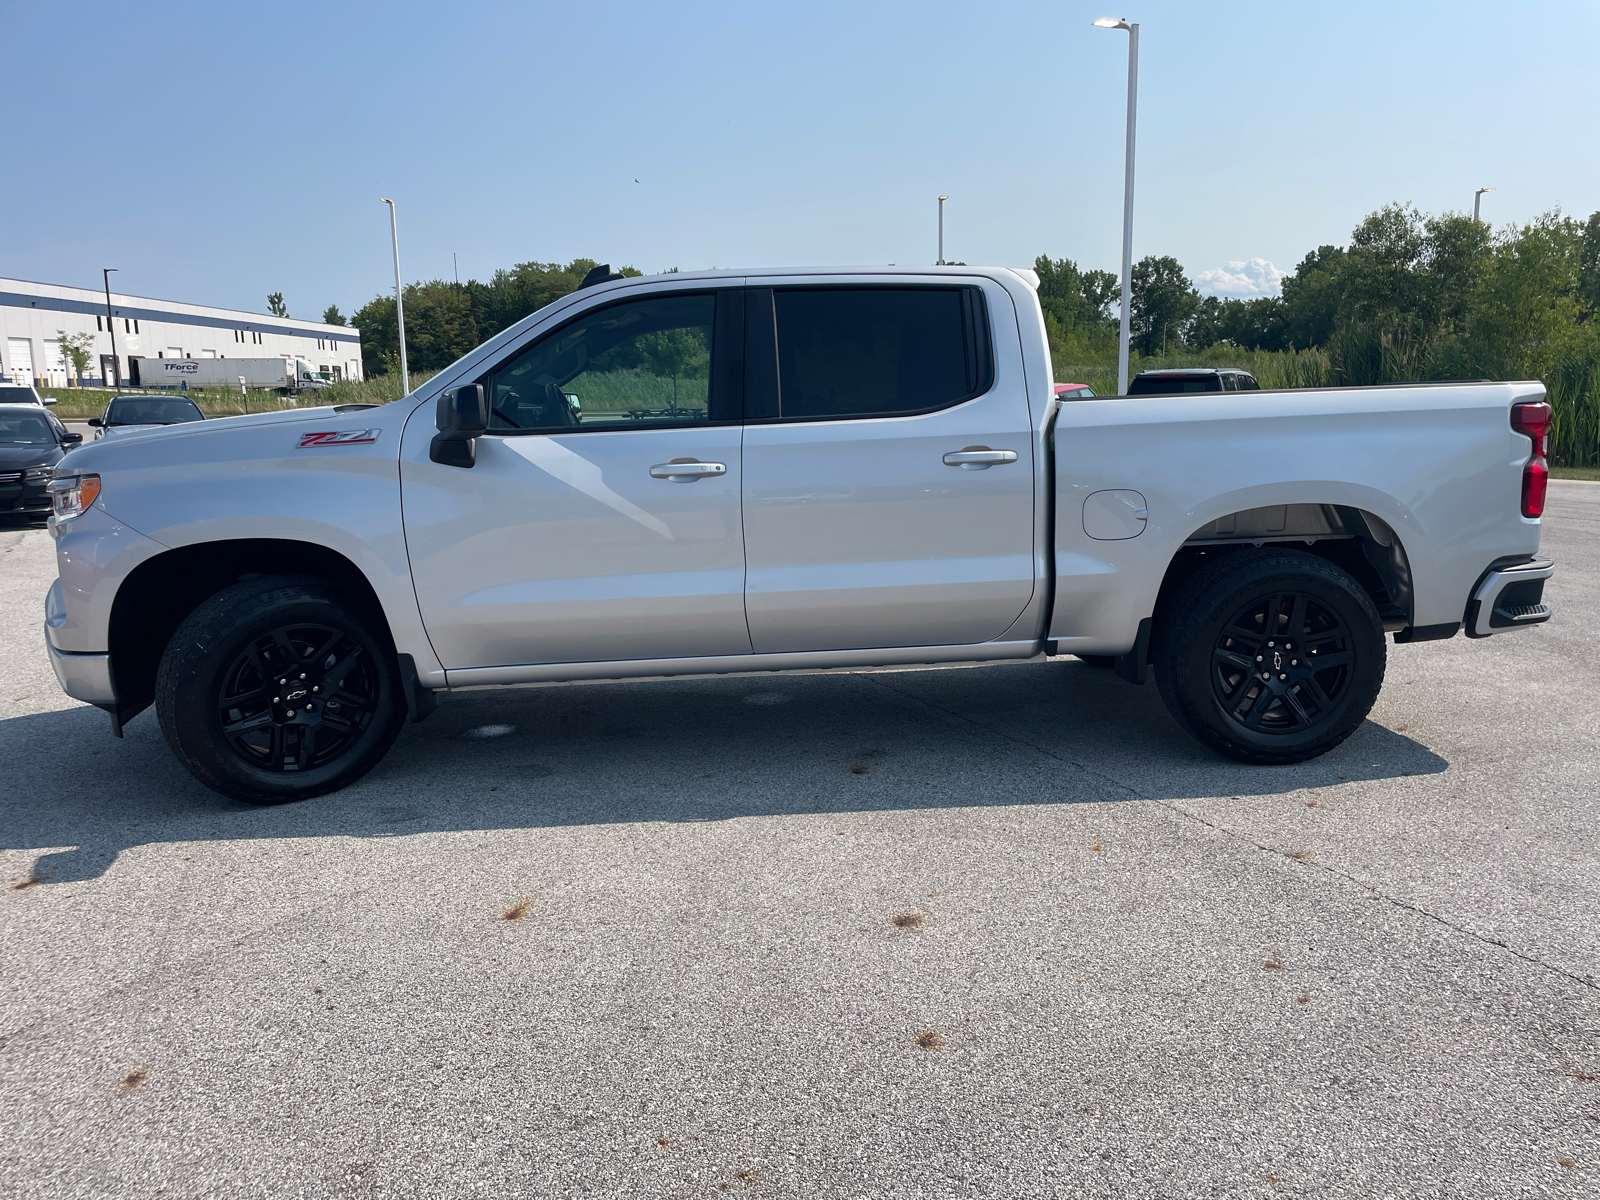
(338, 437)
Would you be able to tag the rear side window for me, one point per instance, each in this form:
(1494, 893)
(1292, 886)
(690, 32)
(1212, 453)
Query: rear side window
(879, 351)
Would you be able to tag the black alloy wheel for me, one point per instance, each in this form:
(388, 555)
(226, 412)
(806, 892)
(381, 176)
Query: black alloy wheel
(297, 697)
(1282, 663)
(1270, 655)
(278, 689)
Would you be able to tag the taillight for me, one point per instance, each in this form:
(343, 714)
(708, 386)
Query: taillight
(1533, 419)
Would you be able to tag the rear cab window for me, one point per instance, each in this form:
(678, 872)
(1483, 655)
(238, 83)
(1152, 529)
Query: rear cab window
(855, 351)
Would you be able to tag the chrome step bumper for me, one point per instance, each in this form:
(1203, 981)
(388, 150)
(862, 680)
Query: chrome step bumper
(1509, 597)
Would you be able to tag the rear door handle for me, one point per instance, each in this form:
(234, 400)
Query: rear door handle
(979, 458)
(686, 470)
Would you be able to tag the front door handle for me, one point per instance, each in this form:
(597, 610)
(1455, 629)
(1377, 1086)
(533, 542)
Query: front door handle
(686, 470)
(979, 458)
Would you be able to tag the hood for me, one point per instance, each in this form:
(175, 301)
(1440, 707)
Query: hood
(12, 457)
(136, 440)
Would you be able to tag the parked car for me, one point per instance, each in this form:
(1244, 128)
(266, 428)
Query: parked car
(127, 413)
(32, 442)
(831, 469)
(1074, 391)
(23, 393)
(1182, 380)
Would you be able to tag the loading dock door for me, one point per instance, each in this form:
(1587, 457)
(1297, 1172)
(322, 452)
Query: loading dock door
(21, 356)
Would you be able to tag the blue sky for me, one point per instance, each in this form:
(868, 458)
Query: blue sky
(216, 152)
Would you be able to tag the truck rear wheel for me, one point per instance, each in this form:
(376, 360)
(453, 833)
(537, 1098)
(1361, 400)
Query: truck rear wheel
(1270, 655)
(276, 690)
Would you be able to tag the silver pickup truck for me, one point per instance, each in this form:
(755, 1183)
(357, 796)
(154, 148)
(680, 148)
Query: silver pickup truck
(778, 470)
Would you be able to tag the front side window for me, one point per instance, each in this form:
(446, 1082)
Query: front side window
(642, 362)
(878, 351)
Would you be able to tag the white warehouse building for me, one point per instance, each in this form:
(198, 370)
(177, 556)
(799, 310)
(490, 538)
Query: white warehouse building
(33, 316)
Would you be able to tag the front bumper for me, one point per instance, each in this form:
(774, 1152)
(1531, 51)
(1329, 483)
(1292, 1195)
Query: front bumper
(19, 497)
(85, 677)
(1509, 596)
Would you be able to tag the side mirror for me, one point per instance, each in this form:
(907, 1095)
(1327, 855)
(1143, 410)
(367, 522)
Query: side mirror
(95, 422)
(462, 415)
(47, 399)
(71, 439)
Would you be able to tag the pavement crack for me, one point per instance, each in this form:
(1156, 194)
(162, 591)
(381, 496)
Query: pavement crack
(1171, 806)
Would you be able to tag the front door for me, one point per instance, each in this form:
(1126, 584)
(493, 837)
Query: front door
(888, 468)
(602, 520)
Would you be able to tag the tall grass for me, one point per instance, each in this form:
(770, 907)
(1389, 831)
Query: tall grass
(1271, 369)
(79, 403)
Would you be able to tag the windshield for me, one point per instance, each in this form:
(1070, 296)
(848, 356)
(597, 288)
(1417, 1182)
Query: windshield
(1170, 385)
(12, 394)
(25, 429)
(141, 410)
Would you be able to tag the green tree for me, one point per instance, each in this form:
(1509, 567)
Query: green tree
(75, 351)
(1312, 297)
(1455, 252)
(332, 316)
(1101, 291)
(1589, 266)
(1526, 309)
(1163, 302)
(445, 319)
(1383, 281)
(275, 304)
(1060, 292)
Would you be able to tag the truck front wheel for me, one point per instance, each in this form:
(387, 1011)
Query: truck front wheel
(275, 689)
(1270, 655)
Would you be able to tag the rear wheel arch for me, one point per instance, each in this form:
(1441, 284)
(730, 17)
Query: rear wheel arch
(1356, 540)
(160, 593)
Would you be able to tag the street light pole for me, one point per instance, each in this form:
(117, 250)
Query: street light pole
(399, 299)
(105, 274)
(1127, 198)
(942, 199)
(1477, 198)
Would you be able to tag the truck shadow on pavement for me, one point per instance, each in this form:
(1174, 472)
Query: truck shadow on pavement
(684, 750)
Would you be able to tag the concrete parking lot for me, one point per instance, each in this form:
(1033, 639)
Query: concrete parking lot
(996, 931)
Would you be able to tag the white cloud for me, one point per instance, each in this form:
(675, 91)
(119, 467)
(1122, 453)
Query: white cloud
(1258, 277)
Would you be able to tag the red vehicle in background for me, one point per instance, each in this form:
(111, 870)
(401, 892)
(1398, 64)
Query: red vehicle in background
(1074, 391)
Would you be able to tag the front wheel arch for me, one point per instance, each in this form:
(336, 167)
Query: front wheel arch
(159, 594)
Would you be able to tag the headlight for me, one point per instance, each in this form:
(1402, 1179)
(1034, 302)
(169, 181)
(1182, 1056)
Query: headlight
(38, 474)
(72, 494)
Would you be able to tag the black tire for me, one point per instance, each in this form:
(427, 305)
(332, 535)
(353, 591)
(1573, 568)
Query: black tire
(239, 720)
(1233, 621)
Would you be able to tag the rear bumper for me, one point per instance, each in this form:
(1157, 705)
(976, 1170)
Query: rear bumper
(1509, 596)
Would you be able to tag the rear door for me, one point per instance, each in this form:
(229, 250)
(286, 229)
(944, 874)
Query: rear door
(888, 465)
(602, 519)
